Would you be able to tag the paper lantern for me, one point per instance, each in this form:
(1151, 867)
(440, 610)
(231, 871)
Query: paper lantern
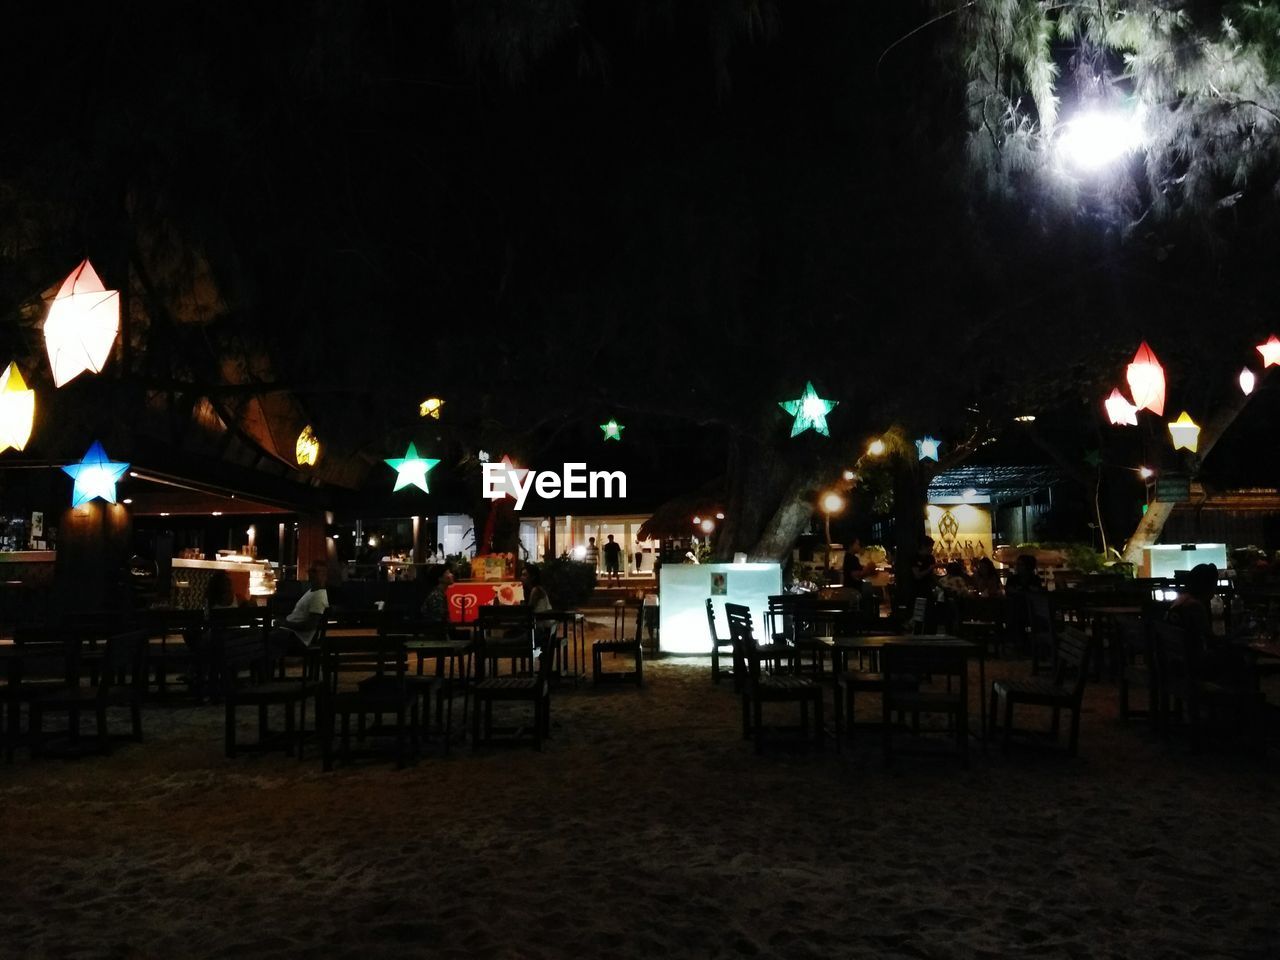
(1146, 380)
(810, 411)
(307, 449)
(612, 430)
(17, 409)
(1270, 352)
(1119, 410)
(411, 469)
(1247, 381)
(95, 476)
(82, 324)
(430, 407)
(927, 449)
(1185, 433)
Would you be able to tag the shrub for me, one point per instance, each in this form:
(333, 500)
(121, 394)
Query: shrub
(568, 582)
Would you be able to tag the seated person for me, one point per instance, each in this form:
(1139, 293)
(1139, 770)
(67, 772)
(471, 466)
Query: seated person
(954, 581)
(295, 633)
(1024, 578)
(435, 607)
(986, 581)
(1209, 656)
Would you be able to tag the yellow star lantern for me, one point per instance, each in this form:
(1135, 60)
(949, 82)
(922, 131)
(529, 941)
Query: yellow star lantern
(82, 324)
(17, 409)
(307, 449)
(430, 407)
(1185, 433)
(1270, 352)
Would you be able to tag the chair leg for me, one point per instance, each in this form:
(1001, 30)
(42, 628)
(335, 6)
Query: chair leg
(995, 704)
(35, 730)
(819, 732)
(757, 719)
(135, 718)
(1055, 724)
(886, 728)
(746, 717)
(837, 710)
(400, 738)
(1008, 723)
(288, 729)
(1075, 730)
(475, 726)
(104, 742)
(230, 732)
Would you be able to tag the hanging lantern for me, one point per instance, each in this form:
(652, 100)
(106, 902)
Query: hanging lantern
(307, 449)
(1119, 410)
(810, 411)
(1146, 380)
(1185, 433)
(1247, 381)
(612, 430)
(17, 409)
(1270, 352)
(82, 324)
(95, 476)
(430, 407)
(411, 469)
(927, 449)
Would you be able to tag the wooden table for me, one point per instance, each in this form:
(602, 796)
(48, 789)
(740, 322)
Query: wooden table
(573, 633)
(872, 643)
(452, 650)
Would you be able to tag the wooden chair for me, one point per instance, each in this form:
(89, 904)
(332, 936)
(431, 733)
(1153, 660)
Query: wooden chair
(1184, 692)
(249, 677)
(982, 620)
(379, 666)
(1063, 692)
(121, 682)
(533, 688)
(902, 664)
(917, 624)
(1041, 630)
(761, 687)
(720, 646)
(503, 632)
(174, 646)
(1137, 668)
(45, 666)
(848, 684)
(632, 647)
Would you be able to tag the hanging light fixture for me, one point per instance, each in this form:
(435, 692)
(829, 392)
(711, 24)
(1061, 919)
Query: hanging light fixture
(307, 449)
(95, 476)
(1270, 352)
(17, 409)
(1185, 433)
(1146, 380)
(81, 325)
(1247, 381)
(612, 430)
(430, 407)
(927, 449)
(810, 411)
(1119, 410)
(411, 469)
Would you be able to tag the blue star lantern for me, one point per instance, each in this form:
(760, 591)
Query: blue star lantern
(95, 476)
(810, 411)
(411, 469)
(927, 449)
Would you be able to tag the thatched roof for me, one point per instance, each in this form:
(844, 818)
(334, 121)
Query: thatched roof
(675, 517)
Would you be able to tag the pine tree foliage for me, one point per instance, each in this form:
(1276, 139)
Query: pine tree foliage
(1204, 78)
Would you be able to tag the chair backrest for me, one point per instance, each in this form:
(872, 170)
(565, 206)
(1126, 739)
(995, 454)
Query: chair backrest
(924, 658)
(985, 609)
(1071, 659)
(124, 661)
(779, 617)
(1175, 654)
(742, 636)
(47, 660)
(365, 655)
(242, 649)
(919, 613)
(1040, 616)
(716, 640)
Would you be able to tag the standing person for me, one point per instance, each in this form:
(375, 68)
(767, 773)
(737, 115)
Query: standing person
(295, 633)
(593, 554)
(613, 559)
(853, 569)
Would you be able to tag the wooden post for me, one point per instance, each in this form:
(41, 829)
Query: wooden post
(92, 567)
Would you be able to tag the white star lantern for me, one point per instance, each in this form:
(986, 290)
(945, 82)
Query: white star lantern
(1185, 433)
(1119, 410)
(411, 469)
(95, 476)
(17, 409)
(927, 449)
(82, 324)
(1270, 352)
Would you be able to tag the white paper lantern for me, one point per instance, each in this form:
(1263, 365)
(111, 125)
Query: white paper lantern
(1247, 381)
(1146, 380)
(82, 324)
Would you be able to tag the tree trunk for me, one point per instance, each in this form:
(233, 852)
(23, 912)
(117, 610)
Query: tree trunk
(787, 523)
(757, 478)
(910, 494)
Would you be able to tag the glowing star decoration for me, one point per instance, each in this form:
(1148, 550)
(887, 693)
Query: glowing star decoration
(927, 449)
(95, 476)
(509, 480)
(430, 407)
(1146, 380)
(1119, 410)
(612, 430)
(1247, 381)
(810, 411)
(82, 324)
(1185, 433)
(1270, 352)
(411, 470)
(17, 409)
(307, 449)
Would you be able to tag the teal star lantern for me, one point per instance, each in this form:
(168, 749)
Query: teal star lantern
(810, 411)
(927, 449)
(612, 430)
(411, 469)
(95, 476)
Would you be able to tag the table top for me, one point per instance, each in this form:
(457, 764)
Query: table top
(439, 648)
(875, 641)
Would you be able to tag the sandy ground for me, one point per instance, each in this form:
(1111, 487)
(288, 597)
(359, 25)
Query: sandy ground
(647, 827)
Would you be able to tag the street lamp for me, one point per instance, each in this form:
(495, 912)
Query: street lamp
(830, 503)
(1094, 139)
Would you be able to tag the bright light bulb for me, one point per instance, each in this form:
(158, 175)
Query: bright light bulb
(876, 447)
(1094, 139)
(1247, 381)
(848, 474)
(832, 502)
(708, 526)
(1146, 473)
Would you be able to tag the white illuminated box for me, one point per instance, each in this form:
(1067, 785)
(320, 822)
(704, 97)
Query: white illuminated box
(684, 589)
(1165, 559)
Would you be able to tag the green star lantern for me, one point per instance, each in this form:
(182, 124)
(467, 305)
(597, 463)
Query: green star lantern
(411, 469)
(612, 430)
(810, 411)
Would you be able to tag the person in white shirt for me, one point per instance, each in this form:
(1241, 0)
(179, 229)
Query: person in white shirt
(296, 632)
